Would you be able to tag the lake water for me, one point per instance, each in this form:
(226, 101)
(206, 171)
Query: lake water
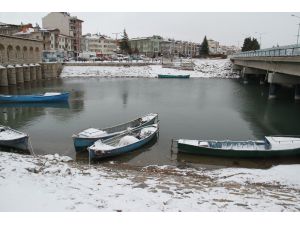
(187, 108)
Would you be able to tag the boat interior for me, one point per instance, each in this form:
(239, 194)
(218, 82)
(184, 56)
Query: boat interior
(242, 145)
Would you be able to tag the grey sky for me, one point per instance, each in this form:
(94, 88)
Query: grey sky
(228, 28)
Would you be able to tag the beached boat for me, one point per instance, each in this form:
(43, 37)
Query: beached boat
(271, 146)
(13, 138)
(173, 76)
(46, 97)
(87, 137)
(126, 142)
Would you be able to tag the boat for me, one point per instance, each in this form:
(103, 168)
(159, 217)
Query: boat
(173, 76)
(124, 143)
(46, 97)
(270, 146)
(87, 137)
(13, 139)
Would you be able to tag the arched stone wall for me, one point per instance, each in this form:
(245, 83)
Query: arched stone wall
(18, 53)
(25, 54)
(2, 54)
(36, 53)
(10, 54)
(31, 54)
(16, 50)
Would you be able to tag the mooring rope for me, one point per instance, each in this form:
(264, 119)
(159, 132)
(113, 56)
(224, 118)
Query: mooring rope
(31, 148)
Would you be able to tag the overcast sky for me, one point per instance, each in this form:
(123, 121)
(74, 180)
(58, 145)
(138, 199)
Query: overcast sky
(227, 28)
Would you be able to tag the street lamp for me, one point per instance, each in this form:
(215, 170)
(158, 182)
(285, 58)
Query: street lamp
(260, 34)
(298, 27)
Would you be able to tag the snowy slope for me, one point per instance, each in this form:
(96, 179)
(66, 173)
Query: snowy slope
(50, 183)
(205, 68)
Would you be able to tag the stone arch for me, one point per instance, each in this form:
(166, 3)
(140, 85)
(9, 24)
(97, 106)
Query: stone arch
(2, 53)
(31, 54)
(10, 54)
(37, 54)
(18, 54)
(25, 54)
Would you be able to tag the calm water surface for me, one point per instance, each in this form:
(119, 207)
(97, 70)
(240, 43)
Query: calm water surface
(191, 108)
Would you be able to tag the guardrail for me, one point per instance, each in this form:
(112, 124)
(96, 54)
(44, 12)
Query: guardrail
(290, 50)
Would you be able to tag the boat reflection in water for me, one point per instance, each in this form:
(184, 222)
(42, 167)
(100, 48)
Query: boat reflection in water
(36, 105)
(210, 162)
(15, 150)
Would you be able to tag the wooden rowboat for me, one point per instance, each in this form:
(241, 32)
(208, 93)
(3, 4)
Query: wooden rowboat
(87, 137)
(124, 143)
(13, 138)
(271, 146)
(46, 97)
(173, 76)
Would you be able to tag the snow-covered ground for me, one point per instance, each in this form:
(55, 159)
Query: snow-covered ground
(53, 183)
(205, 68)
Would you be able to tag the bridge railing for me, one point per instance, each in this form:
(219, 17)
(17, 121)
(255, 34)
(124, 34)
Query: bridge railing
(290, 50)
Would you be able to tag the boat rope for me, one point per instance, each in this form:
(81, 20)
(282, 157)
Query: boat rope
(172, 145)
(89, 159)
(30, 147)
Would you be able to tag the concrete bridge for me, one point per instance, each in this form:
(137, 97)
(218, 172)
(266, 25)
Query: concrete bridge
(277, 66)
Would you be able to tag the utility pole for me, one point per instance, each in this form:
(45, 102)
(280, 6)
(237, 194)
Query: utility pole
(298, 28)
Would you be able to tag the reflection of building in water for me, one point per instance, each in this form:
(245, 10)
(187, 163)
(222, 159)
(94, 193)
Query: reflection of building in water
(19, 116)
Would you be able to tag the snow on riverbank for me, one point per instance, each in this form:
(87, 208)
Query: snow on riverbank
(51, 183)
(218, 68)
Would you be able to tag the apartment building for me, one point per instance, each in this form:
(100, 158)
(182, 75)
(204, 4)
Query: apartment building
(149, 46)
(100, 44)
(70, 27)
(213, 46)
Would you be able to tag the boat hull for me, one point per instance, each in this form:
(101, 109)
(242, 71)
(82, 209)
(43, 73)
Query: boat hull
(173, 76)
(34, 98)
(20, 143)
(81, 143)
(191, 149)
(122, 150)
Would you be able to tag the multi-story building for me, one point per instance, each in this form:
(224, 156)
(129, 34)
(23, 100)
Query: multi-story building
(167, 47)
(100, 44)
(213, 46)
(149, 46)
(70, 27)
(156, 45)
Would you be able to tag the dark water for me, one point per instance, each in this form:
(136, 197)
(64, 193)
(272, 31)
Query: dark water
(191, 108)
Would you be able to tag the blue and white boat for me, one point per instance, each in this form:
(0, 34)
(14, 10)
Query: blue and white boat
(124, 143)
(46, 97)
(13, 139)
(87, 137)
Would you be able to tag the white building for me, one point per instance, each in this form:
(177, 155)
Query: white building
(70, 27)
(213, 46)
(100, 44)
